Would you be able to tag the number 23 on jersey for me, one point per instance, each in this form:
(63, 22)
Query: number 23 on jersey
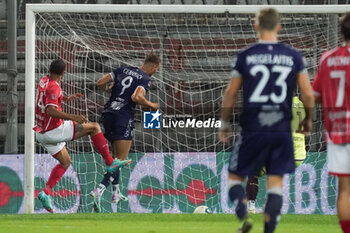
(265, 75)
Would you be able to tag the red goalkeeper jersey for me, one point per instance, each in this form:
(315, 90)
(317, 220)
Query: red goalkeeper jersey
(332, 84)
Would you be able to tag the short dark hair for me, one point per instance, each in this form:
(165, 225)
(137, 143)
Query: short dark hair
(57, 67)
(152, 58)
(345, 26)
(268, 19)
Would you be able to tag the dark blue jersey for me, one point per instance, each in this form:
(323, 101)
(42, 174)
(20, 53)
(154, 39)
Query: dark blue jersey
(126, 80)
(268, 71)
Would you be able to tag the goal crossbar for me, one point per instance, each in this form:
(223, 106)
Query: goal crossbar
(200, 9)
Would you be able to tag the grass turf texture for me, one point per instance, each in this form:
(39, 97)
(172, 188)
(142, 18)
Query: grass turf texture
(156, 223)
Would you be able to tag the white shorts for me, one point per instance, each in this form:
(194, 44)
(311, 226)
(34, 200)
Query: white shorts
(54, 140)
(338, 156)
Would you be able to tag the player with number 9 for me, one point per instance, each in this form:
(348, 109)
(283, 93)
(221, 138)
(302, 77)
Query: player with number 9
(128, 86)
(54, 127)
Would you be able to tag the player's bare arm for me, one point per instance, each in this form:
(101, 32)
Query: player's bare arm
(53, 112)
(227, 106)
(139, 98)
(105, 83)
(72, 97)
(307, 97)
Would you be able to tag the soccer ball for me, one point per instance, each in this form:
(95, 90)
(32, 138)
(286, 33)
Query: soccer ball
(202, 210)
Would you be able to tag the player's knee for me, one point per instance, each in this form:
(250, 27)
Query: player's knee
(95, 127)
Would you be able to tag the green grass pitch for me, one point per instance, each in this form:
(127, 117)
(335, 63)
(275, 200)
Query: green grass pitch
(156, 223)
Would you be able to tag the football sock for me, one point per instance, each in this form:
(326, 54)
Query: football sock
(101, 188)
(345, 225)
(102, 147)
(116, 188)
(55, 176)
(252, 188)
(272, 209)
(237, 195)
(106, 179)
(115, 176)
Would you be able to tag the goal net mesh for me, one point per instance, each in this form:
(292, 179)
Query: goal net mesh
(174, 169)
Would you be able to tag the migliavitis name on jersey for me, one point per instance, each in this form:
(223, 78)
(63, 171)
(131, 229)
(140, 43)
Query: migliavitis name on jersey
(132, 73)
(338, 61)
(275, 59)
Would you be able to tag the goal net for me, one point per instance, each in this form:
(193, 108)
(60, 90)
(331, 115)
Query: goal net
(174, 168)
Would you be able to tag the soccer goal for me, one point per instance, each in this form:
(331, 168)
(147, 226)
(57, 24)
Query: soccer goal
(175, 169)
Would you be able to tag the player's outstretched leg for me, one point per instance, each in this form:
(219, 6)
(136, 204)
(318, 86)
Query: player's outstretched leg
(237, 195)
(252, 189)
(93, 129)
(55, 176)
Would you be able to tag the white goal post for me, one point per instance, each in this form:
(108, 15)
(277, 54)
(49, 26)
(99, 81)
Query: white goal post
(30, 53)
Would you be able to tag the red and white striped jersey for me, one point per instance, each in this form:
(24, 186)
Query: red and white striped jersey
(332, 84)
(49, 92)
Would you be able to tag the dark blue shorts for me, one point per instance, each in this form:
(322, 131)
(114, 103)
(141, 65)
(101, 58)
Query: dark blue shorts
(115, 129)
(253, 151)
